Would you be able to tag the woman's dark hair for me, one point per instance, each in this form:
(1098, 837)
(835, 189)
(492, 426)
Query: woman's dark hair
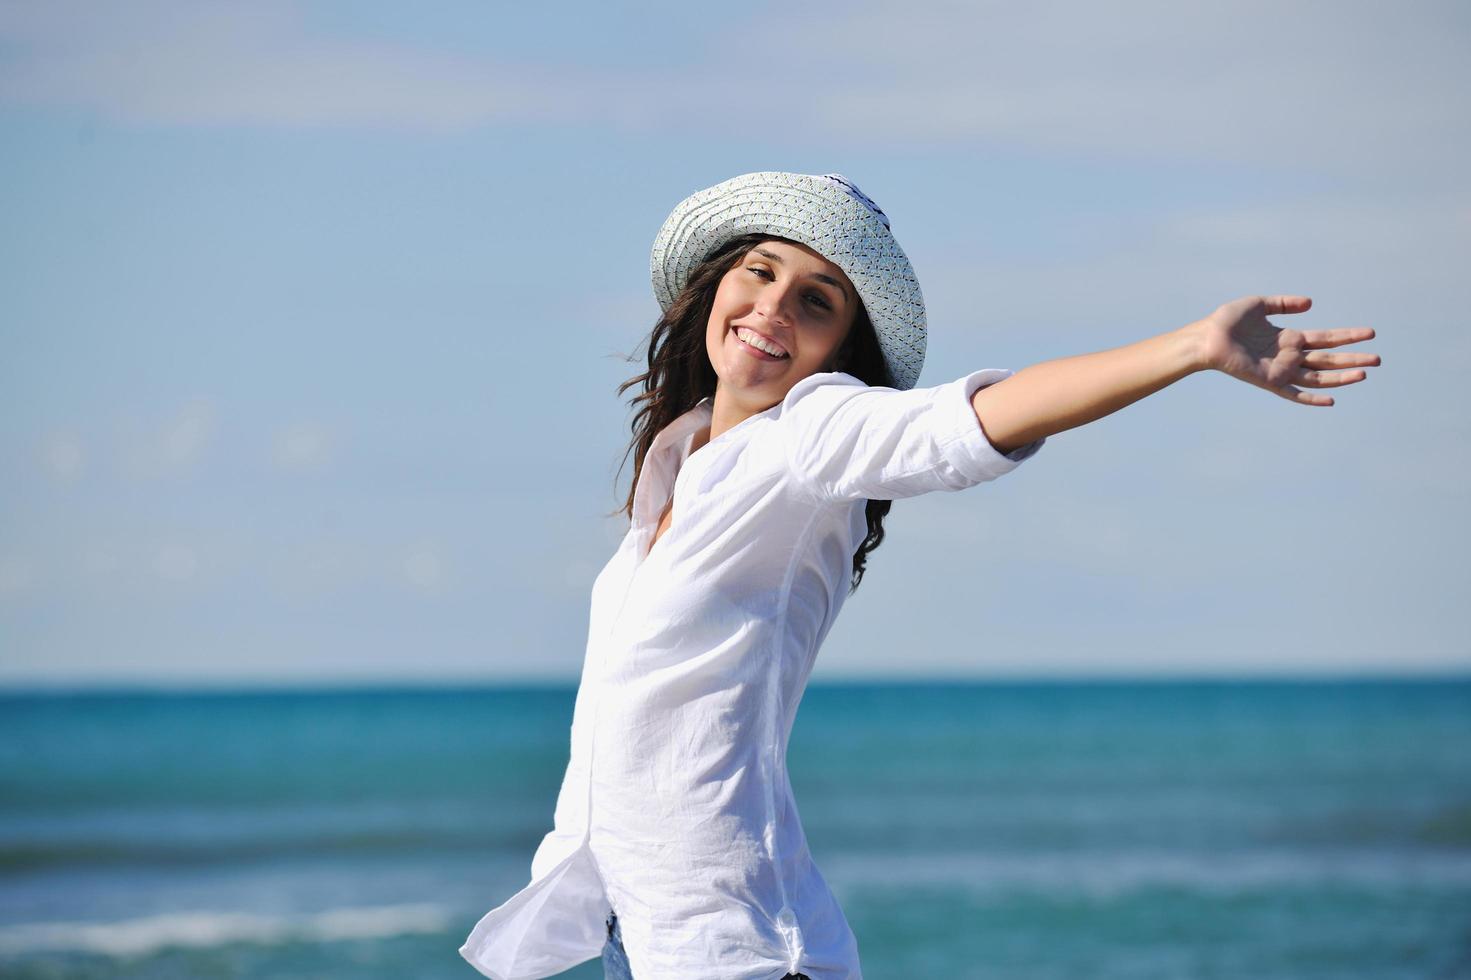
(680, 373)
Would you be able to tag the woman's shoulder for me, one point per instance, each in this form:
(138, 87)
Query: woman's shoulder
(820, 387)
(814, 381)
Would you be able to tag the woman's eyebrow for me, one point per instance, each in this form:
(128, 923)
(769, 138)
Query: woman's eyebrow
(820, 277)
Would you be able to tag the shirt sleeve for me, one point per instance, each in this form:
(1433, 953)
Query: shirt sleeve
(849, 441)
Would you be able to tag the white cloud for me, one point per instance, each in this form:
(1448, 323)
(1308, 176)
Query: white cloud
(1345, 85)
(187, 433)
(1391, 265)
(211, 63)
(1438, 223)
(1345, 88)
(173, 446)
(303, 446)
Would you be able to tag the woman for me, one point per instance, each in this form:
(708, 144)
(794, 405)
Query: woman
(777, 421)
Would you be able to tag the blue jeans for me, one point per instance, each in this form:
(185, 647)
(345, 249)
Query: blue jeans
(615, 960)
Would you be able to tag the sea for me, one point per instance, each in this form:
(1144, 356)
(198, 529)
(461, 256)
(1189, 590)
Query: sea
(1028, 830)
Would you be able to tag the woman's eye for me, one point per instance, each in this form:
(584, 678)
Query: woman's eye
(817, 298)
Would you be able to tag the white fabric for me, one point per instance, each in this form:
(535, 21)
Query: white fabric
(675, 809)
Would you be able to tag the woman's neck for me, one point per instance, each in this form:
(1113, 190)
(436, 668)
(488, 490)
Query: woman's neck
(725, 415)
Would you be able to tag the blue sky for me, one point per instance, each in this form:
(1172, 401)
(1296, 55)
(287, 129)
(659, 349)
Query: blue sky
(313, 316)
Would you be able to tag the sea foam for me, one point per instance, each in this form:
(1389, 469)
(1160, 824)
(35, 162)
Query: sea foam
(149, 934)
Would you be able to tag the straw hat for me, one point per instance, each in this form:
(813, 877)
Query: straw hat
(828, 214)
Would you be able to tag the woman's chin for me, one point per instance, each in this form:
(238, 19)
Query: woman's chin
(743, 371)
(752, 386)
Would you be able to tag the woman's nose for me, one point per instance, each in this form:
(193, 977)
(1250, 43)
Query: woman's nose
(773, 302)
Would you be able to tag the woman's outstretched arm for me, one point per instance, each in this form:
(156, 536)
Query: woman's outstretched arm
(1236, 339)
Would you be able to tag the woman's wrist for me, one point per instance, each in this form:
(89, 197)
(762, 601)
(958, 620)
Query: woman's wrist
(1194, 350)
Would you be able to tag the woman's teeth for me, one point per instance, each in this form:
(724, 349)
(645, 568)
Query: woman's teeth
(754, 340)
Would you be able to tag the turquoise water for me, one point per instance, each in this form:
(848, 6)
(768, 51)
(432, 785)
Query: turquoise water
(998, 830)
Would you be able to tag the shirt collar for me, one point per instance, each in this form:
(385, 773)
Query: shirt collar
(695, 418)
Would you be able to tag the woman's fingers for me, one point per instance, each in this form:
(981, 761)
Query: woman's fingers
(1329, 379)
(1341, 359)
(1336, 337)
(1303, 397)
(1331, 369)
(1286, 304)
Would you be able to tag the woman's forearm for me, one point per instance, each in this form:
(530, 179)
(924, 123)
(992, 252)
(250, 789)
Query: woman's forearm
(1062, 394)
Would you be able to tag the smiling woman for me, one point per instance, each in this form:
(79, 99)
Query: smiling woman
(778, 419)
(781, 313)
(698, 322)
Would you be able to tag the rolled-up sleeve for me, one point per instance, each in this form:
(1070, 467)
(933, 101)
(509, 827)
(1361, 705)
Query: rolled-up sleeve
(848, 441)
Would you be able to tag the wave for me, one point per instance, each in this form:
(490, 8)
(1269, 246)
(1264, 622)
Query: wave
(1126, 871)
(147, 935)
(17, 856)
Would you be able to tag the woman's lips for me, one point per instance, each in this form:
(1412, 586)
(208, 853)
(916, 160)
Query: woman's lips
(754, 351)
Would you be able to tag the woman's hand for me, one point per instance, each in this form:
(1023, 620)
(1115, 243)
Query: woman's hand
(1238, 340)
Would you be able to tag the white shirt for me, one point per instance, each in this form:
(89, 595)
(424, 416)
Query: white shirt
(675, 809)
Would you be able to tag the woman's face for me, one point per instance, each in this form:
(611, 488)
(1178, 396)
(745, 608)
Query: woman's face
(788, 298)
